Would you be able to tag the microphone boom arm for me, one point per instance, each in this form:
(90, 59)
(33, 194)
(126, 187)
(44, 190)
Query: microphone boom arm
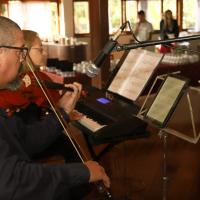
(155, 42)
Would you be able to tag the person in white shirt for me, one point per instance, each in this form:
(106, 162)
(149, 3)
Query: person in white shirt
(143, 29)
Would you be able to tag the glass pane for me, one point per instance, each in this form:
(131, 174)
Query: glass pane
(54, 18)
(131, 12)
(61, 19)
(152, 9)
(81, 17)
(170, 5)
(114, 15)
(24, 13)
(4, 10)
(189, 17)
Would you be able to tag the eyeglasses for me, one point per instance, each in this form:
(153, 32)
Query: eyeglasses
(40, 49)
(23, 50)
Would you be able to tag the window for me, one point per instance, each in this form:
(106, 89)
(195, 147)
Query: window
(4, 9)
(170, 5)
(152, 9)
(191, 19)
(115, 15)
(131, 12)
(81, 17)
(122, 10)
(36, 15)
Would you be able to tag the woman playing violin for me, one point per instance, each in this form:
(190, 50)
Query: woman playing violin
(29, 101)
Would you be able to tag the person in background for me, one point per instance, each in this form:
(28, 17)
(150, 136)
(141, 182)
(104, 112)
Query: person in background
(20, 177)
(143, 29)
(168, 29)
(168, 26)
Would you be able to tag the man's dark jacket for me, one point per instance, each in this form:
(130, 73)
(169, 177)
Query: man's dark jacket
(22, 179)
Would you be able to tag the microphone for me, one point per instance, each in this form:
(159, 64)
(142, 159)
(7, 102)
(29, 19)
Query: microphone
(93, 68)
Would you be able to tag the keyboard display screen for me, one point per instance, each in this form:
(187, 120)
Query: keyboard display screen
(103, 100)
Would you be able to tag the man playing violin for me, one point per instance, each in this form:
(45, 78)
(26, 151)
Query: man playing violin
(28, 100)
(20, 177)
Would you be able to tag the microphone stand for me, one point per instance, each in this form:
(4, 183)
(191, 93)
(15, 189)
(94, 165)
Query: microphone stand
(155, 42)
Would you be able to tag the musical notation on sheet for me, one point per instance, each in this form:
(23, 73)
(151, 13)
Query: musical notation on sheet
(134, 73)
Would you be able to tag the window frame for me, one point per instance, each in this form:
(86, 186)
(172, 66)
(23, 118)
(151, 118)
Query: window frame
(57, 9)
(4, 2)
(179, 13)
(80, 34)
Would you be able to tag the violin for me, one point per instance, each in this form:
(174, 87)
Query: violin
(28, 93)
(34, 93)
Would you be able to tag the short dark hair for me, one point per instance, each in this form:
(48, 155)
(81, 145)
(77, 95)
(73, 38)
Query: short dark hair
(7, 31)
(141, 12)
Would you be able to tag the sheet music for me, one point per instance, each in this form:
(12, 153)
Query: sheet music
(165, 99)
(134, 73)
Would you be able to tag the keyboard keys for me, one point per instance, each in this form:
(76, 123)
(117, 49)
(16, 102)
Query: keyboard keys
(90, 123)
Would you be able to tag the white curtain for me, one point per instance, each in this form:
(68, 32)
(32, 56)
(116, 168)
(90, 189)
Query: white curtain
(35, 16)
